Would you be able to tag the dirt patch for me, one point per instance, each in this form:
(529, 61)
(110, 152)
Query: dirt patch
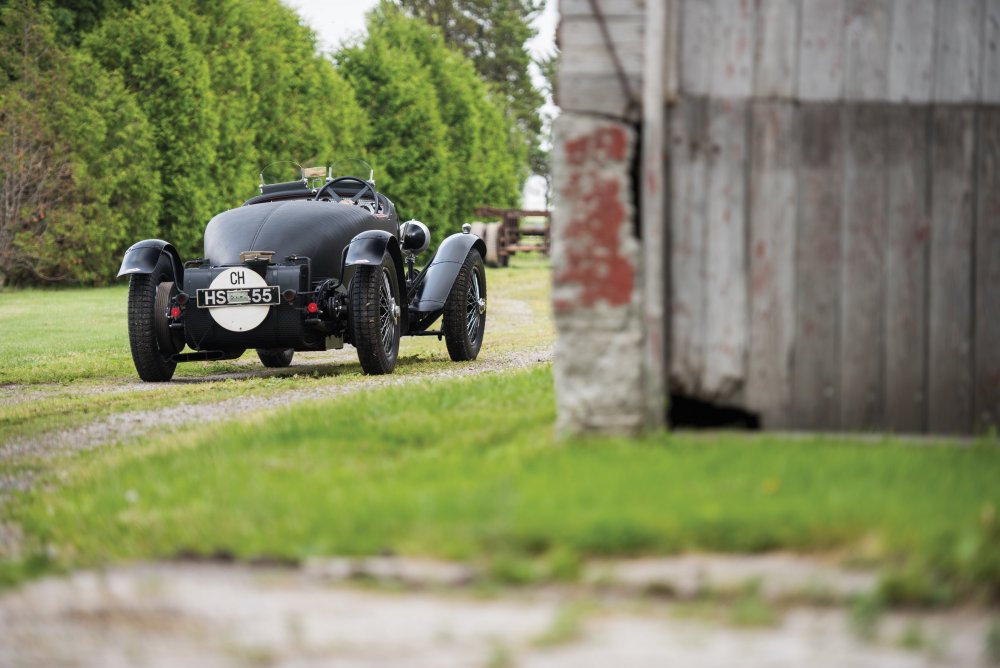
(229, 615)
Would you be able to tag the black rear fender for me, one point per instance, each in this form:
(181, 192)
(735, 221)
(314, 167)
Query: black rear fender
(368, 248)
(141, 258)
(438, 278)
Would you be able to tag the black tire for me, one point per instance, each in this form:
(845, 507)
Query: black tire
(275, 358)
(465, 310)
(374, 316)
(151, 340)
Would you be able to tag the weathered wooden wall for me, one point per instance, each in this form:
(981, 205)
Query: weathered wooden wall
(835, 211)
(834, 200)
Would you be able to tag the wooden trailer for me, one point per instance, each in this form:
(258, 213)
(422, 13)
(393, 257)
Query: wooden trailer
(816, 236)
(512, 233)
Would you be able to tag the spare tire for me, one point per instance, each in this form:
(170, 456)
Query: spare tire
(492, 239)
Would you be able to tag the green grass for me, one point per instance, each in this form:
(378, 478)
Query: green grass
(71, 335)
(64, 367)
(53, 336)
(470, 470)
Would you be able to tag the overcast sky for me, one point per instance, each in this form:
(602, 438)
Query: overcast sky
(336, 21)
(339, 21)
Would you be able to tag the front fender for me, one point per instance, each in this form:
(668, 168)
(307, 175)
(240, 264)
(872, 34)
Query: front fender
(439, 276)
(141, 258)
(368, 248)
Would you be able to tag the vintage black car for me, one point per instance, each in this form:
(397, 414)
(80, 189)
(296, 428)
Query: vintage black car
(308, 264)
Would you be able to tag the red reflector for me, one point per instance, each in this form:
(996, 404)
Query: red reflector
(175, 312)
(312, 307)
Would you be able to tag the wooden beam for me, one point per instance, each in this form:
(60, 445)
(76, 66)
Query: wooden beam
(816, 370)
(776, 52)
(862, 341)
(987, 314)
(732, 49)
(991, 53)
(958, 56)
(696, 38)
(773, 203)
(866, 47)
(726, 303)
(911, 54)
(653, 219)
(821, 51)
(689, 147)
(951, 257)
(907, 188)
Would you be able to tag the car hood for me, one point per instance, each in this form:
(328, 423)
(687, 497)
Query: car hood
(307, 228)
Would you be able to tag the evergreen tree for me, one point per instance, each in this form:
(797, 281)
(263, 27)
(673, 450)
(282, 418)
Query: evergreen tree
(493, 33)
(77, 163)
(158, 61)
(408, 141)
(478, 171)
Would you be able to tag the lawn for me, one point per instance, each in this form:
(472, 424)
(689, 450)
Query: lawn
(471, 470)
(459, 469)
(79, 334)
(77, 367)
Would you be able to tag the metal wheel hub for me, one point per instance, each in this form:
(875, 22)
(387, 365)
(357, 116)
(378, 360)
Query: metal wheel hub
(475, 307)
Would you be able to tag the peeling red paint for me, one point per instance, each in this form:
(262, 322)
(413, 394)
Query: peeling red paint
(607, 143)
(594, 261)
(594, 264)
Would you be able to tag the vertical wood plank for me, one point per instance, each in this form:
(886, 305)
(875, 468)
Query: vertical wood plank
(696, 46)
(821, 50)
(732, 49)
(911, 56)
(652, 219)
(861, 335)
(815, 374)
(773, 199)
(867, 42)
(987, 317)
(957, 54)
(726, 306)
(672, 68)
(688, 166)
(906, 270)
(991, 53)
(777, 48)
(950, 316)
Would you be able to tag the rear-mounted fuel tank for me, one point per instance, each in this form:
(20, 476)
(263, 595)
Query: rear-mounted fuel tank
(282, 328)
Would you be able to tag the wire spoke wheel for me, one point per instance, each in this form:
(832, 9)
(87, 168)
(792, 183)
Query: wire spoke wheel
(387, 313)
(472, 307)
(465, 310)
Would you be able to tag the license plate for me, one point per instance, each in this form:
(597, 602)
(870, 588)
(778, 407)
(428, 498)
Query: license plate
(214, 298)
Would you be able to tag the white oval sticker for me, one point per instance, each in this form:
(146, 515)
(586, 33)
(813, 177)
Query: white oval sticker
(239, 318)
